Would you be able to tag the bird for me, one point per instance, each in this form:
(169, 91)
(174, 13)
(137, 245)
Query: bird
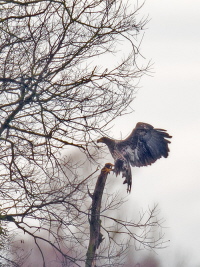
(141, 148)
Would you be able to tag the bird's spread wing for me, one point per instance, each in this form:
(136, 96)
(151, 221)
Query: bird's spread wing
(144, 145)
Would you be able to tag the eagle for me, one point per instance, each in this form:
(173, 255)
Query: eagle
(141, 148)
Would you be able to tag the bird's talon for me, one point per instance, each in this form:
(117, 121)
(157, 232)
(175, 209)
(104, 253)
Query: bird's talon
(107, 168)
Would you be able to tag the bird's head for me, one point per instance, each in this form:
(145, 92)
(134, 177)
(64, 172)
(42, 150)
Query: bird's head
(105, 140)
(108, 141)
(102, 140)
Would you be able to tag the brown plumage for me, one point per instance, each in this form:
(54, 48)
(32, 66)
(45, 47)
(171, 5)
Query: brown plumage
(142, 147)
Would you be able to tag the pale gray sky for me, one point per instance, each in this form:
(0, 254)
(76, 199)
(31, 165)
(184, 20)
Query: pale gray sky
(171, 100)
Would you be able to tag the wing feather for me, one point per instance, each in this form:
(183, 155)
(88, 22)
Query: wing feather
(145, 145)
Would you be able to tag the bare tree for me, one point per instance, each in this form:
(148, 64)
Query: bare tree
(57, 92)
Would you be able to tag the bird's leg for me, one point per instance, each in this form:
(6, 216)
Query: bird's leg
(126, 173)
(119, 163)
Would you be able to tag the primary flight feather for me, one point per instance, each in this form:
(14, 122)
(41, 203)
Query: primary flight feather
(142, 147)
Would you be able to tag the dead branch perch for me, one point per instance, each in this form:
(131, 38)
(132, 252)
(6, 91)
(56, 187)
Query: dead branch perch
(95, 223)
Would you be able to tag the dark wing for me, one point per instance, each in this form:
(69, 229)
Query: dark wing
(144, 145)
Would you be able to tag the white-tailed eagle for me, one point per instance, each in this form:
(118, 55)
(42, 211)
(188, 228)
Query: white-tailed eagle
(142, 147)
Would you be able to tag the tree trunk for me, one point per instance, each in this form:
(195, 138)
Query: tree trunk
(95, 223)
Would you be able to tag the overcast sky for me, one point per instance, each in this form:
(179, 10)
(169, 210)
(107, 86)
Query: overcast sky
(171, 100)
